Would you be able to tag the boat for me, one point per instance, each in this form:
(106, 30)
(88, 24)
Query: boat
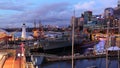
(59, 43)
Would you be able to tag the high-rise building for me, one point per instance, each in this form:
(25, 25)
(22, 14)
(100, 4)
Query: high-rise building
(117, 13)
(117, 10)
(87, 16)
(78, 22)
(108, 12)
(118, 3)
(73, 20)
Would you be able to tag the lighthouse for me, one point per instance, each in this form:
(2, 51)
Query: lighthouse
(23, 36)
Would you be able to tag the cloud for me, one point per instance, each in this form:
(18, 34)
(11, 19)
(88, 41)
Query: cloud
(54, 13)
(107, 3)
(85, 5)
(9, 5)
(97, 6)
(57, 13)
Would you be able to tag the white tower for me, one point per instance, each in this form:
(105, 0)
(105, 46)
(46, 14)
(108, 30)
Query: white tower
(23, 31)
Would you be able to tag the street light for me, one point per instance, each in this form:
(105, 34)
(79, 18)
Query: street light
(18, 54)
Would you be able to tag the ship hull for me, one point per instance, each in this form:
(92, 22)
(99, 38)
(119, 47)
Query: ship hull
(61, 47)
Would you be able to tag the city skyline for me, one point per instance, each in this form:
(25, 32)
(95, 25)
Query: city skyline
(13, 13)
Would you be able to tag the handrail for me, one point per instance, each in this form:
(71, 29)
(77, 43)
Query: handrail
(2, 61)
(3, 56)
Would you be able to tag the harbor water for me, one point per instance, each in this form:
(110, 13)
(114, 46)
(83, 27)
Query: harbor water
(84, 63)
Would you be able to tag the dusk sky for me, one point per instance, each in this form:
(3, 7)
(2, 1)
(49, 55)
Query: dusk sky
(13, 13)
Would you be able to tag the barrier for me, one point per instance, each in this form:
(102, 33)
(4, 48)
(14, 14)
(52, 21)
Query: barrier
(2, 61)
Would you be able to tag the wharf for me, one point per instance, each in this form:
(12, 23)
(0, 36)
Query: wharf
(67, 58)
(55, 58)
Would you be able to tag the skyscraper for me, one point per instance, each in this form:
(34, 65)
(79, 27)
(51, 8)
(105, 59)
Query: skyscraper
(108, 12)
(119, 3)
(117, 10)
(87, 16)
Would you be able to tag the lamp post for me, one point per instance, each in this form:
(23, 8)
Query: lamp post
(19, 55)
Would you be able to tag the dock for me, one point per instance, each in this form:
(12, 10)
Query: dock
(67, 58)
(55, 58)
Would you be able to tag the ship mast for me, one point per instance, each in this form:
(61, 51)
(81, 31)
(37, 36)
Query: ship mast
(34, 25)
(73, 29)
(107, 44)
(108, 27)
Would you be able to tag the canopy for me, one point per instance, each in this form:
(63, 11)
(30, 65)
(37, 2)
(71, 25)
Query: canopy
(113, 48)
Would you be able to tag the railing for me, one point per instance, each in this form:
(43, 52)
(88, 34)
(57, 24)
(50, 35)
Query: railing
(2, 60)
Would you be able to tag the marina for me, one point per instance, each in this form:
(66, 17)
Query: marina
(41, 52)
(70, 41)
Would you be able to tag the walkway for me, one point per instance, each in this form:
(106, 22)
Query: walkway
(11, 62)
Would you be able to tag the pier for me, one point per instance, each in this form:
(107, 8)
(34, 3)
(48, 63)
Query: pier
(67, 58)
(55, 58)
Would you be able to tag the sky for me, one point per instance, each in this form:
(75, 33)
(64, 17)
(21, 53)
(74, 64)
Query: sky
(13, 13)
